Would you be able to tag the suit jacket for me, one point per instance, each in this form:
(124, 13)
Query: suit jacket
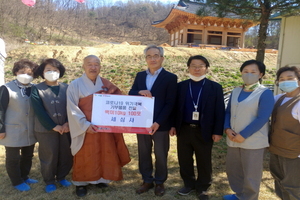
(164, 91)
(212, 107)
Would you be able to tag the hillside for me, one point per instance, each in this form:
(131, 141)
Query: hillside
(120, 62)
(70, 23)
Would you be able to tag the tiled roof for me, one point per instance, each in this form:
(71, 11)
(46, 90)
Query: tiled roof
(193, 7)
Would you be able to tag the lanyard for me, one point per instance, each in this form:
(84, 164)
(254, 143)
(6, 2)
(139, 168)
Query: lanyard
(196, 105)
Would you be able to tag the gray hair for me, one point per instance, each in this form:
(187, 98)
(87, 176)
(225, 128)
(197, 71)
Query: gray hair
(160, 49)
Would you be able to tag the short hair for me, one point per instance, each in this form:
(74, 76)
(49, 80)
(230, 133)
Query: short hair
(25, 63)
(54, 63)
(160, 49)
(294, 69)
(91, 56)
(198, 57)
(261, 66)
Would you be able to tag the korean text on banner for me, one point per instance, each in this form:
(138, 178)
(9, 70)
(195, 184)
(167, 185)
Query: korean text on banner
(122, 114)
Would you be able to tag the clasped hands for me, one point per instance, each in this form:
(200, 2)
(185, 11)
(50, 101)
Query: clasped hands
(233, 136)
(62, 128)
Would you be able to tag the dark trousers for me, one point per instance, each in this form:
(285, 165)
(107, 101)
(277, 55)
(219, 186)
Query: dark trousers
(190, 141)
(161, 141)
(18, 165)
(55, 155)
(285, 171)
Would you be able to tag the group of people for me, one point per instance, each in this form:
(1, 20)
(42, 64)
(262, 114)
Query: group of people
(58, 116)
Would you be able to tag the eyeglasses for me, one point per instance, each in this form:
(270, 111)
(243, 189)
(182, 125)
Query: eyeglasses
(198, 67)
(155, 57)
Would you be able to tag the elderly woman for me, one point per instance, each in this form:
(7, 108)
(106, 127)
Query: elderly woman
(246, 127)
(285, 135)
(16, 125)
(51, 125)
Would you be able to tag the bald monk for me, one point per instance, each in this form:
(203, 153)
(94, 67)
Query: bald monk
(98, 157)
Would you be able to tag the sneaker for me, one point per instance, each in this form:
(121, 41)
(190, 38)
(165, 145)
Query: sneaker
(102, 185)
(81, 191)
(65, 183)
(230, 197)
(185, 191)
(50, 188)
(22, 187)
(30, 181)
(203, 196)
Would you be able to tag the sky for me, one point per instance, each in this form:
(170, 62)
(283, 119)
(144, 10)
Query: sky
(163, 1)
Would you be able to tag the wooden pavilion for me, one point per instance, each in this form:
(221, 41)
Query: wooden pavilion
(187, 28)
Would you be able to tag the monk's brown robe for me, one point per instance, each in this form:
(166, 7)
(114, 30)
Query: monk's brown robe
(102, 155)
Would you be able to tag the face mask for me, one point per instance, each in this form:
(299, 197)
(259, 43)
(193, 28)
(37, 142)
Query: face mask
(24, 78)
(288, 86)
(250, 78)
(51, 76)
(197, 78)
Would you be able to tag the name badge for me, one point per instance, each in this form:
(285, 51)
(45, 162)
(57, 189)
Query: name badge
(195, 115)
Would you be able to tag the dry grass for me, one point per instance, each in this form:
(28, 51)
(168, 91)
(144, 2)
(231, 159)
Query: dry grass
(120, 64)
(125, 189)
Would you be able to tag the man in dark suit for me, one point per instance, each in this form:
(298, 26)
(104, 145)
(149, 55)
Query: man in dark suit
(162, 85)
(199, 122)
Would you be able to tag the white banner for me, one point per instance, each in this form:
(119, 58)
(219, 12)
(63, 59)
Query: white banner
(122, 113)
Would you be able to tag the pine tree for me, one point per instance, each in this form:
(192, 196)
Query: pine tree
(257, 10)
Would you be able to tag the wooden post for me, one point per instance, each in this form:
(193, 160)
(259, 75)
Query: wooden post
(204, 36)
(184, 41)
(242, 40)
(224, 37)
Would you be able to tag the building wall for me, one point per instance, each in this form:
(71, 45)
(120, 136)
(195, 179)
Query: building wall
(289, 43)
(209, 35)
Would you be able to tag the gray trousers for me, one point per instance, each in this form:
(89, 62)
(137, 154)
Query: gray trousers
(55, 155)
(244, 171)
(161, 141)
(286, 173)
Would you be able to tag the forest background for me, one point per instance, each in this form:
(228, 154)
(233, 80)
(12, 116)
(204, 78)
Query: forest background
(66, 22)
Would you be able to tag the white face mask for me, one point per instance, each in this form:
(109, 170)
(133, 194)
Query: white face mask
(24, 78)
(197, 78)
(51, 76)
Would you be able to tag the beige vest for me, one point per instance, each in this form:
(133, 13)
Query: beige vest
(19, 119)
(285, 132)
(242, 114)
